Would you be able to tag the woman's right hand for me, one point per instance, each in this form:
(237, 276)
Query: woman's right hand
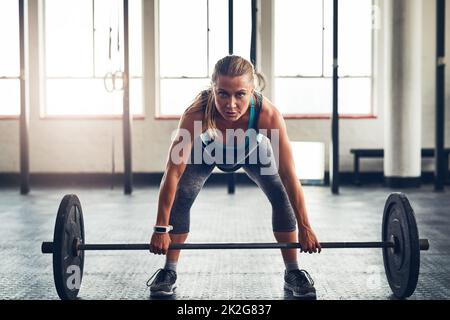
(159, 243)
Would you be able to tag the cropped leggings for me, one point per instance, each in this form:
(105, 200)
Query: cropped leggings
(195, 175)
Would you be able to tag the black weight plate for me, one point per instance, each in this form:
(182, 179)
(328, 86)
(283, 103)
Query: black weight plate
(67, 264)
(402, 263)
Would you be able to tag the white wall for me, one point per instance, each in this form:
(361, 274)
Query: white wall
(85, 145)
(9, 146)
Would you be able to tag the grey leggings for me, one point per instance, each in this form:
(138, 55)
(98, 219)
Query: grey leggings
(195, 175)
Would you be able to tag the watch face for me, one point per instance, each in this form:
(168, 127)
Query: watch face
(160, 229)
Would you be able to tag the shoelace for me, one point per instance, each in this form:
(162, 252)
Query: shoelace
(153, 276)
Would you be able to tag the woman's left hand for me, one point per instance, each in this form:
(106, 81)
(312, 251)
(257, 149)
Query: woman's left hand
(308, 240)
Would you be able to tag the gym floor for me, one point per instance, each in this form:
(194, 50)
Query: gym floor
(111, 217)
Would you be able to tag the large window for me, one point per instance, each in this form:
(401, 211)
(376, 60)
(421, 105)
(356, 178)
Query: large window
(9, 58)
(303, 56)
(193, 35)
(84, 42)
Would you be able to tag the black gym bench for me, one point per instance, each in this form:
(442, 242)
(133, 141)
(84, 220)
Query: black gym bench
(379, 153)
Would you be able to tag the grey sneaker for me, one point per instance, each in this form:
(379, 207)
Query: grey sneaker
(300, 283)
(163, 283)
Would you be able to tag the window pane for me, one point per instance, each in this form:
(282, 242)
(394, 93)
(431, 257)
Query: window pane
(303, 96)
(314, 96)
(355, 37)
(9, 34)
(328, 38)
(89, 97)
(108, 13)
(355, 96)
(10, 93)
(68, 38)
(298, 37)
(178, 94)
(355, 27)
(218, 26)
(9, 57)
(183, 38)
(242, 28)
(135, 35)
(218, 31)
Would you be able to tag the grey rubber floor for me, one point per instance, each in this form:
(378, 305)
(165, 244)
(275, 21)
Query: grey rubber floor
(111, 217)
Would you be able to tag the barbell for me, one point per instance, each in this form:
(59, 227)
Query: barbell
(400, 244)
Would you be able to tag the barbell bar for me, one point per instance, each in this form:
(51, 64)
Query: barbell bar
(47, 247)
(400, 246)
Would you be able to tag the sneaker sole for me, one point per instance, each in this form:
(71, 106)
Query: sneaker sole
(162, 293)
(311, 294)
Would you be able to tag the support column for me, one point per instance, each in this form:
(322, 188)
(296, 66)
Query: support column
(403, 110)
(127, 117)
(334, 168)
(24, 109)
(253, 43)
(441, 167)
(230, 27)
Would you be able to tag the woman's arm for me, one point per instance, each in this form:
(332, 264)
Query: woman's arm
(287, 172)
(177, 158)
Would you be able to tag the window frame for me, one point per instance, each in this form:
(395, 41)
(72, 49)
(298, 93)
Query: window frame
(231, 44)
(43, 115)
(288, 116)
(371, 115)
(158, 78)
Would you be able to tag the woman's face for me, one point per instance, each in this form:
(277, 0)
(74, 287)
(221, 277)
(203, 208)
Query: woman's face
(232, 96)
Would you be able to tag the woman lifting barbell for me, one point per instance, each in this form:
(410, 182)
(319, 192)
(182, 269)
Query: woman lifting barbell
(232, 115)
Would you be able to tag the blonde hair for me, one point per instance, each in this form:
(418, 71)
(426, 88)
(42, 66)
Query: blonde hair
(232, 66)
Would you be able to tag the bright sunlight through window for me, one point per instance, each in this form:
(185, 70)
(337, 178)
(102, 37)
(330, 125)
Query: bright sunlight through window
(303, 56)
(188, 52)
(9, 58)
(83, 43)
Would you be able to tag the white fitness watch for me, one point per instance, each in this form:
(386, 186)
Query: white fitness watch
(162, 229)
